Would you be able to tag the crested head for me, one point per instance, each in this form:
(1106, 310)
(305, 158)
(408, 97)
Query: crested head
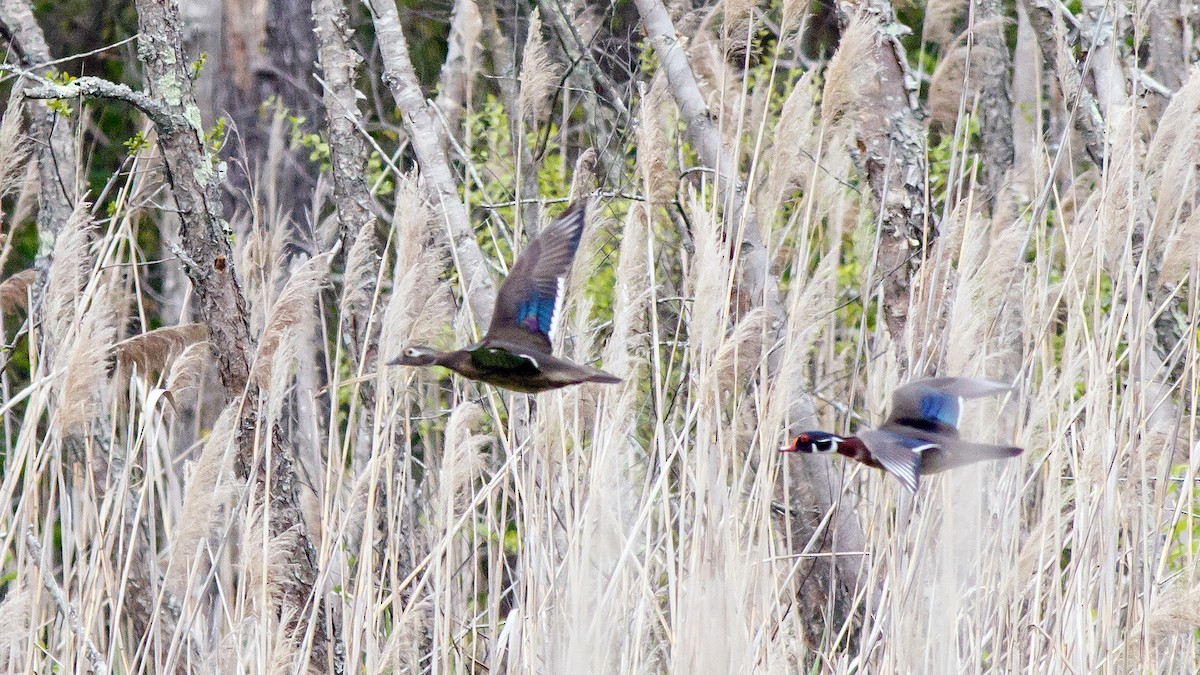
(814, 441)
(416, 355)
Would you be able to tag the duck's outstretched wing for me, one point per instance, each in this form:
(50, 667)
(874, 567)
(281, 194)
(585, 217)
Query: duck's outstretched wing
(935, 405)
(899, 455)
(529, 304)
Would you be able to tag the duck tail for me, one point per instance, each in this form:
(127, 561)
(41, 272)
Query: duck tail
(962, 453)
(604, 378)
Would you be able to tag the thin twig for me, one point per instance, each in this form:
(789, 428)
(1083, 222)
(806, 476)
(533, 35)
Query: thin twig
(99, 664)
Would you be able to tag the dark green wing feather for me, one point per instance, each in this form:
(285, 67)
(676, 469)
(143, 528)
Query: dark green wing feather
(499, 360)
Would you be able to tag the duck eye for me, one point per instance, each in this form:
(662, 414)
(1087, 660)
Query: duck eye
(410, 352)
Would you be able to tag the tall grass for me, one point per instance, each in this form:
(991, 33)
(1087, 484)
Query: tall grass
(650, 526)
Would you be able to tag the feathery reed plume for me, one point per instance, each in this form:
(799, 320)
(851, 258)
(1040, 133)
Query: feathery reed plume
(631, 295)
(709, 280)
(794, 148)
(188, 367)
(296, 304)
(15, 615)
(989, 265)
(362, 268)
(653, 149)
(153, 350)
(1179, 123)
(539, 73)
(209, 488)
(68, 273)
(941, 17)
(85, 363)
(583, 180)
(719, 82)
(14, 148)
(737, 359)
(419, 304)
(14, 291)
(850, 70)
(734, 18)
(1171, 168)
(461, 463)
(1126, 204)
(950, 83)
(1177, 612)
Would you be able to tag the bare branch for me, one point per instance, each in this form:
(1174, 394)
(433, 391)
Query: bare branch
(347, 150)
(426, 136)
(95, 87)
(995, 98)
(1047, 26)
(501, 49)
(97, 661)
(891, 143)
(52, 137)
(704, 136)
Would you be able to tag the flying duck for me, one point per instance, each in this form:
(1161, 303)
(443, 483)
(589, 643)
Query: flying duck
(517, 351)
(920, 436)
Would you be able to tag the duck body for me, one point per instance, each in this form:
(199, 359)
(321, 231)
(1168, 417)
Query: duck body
(508, 366)
(921, 434)
(517, 352)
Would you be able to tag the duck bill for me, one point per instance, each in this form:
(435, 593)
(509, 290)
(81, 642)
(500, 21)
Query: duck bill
(790, 447)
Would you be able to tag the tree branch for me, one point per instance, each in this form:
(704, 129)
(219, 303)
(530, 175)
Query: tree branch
(348, 153)
(703, 134)
(891, 142)
(426, 137)
(1085, 112)
(99, 665)
(53, 139)
(206, 239)
(502, 51)
(95, 87)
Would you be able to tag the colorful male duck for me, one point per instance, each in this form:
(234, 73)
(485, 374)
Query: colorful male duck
(921, 434)
(517, 352)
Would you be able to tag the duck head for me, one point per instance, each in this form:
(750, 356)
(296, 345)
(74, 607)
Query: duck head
(416, 356)
(814, 441)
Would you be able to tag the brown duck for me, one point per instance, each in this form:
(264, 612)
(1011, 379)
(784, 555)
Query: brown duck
(517, 351)
(920, 436)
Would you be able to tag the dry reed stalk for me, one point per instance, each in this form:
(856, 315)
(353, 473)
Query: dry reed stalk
(68, 273)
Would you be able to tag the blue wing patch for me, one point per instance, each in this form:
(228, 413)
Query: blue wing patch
(938, 406)
(538, 313)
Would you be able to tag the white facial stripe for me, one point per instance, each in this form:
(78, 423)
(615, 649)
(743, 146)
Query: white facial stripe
(556, 316)
(826, 445)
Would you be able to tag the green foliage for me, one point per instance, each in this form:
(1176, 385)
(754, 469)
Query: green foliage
(137, 143)
(198, 64)
(214, 138)
(60, 106)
